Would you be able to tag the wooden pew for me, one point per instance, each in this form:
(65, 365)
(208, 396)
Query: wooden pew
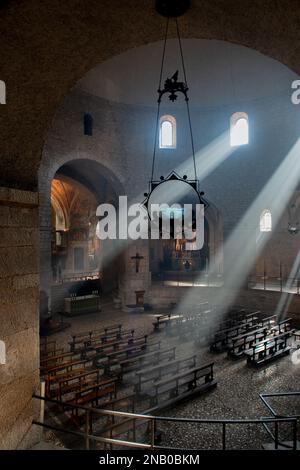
(267, 321)
(110, 338)
(92, 395)
(184, 323)
(241, 343)
(163, 320)
(146, 359)
(150, 374)
(131, 350)
(105, 352)
(283, 326)
(125, 403)
(269, 349)
(112, 361)
(119, 344)
(222, 338)
(86, 336)
(188, 387)
(53, 361)
(63, 371)
(75, 383)
(183, 384)
(203, 334)
(297, 335)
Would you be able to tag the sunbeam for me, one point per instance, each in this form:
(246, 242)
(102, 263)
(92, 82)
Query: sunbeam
(240, 249)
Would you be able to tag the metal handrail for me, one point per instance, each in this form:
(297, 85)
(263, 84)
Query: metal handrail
(153, 420)
(263, 397)
(268, 282)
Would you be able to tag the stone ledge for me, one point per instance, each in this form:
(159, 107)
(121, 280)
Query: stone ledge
(12, 197)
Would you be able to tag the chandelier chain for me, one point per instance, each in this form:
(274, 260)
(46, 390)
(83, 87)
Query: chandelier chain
(186, 99)
(158, 103)
(159, 100)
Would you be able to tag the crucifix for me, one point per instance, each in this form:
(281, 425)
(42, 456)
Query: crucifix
(137, 258)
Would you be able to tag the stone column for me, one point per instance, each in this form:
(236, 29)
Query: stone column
(45, 234)
(19, 316)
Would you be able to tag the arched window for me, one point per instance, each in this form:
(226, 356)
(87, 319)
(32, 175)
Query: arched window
(265, 223)
(167, 132)
(239, 129)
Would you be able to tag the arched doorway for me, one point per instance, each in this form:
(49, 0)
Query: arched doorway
(73, 259)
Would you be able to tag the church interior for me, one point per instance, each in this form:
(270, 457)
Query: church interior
(149, 342)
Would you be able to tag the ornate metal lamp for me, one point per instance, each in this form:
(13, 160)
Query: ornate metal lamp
(173, 188)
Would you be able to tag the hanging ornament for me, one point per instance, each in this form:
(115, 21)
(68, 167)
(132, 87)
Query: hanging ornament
(173, 190)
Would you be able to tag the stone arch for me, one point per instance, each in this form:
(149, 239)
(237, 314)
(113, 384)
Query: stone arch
(50, 165)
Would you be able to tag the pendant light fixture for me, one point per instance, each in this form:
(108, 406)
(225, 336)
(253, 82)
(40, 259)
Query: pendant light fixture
(173, 188)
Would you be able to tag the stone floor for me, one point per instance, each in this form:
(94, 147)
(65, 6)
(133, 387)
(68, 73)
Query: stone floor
(46, 445)
(236, 395)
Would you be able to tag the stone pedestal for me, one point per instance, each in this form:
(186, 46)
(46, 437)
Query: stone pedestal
(139, 295)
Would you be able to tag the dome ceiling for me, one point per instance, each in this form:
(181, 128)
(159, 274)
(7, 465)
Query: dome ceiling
(219, 73)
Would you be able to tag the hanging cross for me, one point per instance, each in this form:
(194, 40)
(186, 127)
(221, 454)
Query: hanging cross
(137, 258)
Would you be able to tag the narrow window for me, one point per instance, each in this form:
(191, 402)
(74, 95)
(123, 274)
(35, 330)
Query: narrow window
(239, 129)
(265, 224)
(167, 132)
(88, 124)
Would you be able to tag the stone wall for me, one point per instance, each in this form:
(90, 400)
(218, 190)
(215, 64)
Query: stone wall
(122, 144)
(40, 67)
(19, 319)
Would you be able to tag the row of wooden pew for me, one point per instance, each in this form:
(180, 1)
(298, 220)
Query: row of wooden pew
(92, 371)
(115, 369)
(257, 337)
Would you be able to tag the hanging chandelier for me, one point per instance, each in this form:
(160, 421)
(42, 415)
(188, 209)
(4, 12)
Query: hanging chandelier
(173, 189)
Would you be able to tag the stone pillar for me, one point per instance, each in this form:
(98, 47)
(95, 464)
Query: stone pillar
(19, 316)
(45, 234)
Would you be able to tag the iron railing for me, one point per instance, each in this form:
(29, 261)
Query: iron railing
(274, 283)
(264, 397)
(152, 422)
(188, 279)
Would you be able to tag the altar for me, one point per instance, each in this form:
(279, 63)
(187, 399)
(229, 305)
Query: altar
(77, 305)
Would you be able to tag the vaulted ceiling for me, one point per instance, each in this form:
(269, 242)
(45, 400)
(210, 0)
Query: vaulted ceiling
(46, 47)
